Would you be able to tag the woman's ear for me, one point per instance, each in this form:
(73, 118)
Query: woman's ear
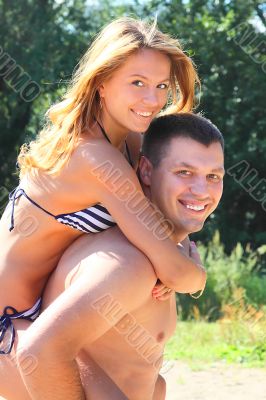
(101, 91)
(145, 170)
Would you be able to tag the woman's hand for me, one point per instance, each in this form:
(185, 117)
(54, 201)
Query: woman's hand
(161, 292)
(114, 184)
(190, 249)
(193, 252)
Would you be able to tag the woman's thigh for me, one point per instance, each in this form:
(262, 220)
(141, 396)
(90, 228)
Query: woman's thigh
(12, 386)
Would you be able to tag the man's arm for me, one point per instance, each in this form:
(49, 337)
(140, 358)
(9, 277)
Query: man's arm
(78, 316)
(160, 389)
(96, 382)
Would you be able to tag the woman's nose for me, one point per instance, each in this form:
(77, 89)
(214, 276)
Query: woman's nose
(151, 98)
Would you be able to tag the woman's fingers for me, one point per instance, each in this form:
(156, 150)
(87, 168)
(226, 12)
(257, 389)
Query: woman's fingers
(165, 296)
(161, 292)
(158, 289)
(194, 254)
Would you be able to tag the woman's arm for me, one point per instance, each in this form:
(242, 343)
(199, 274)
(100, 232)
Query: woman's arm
(116, 185)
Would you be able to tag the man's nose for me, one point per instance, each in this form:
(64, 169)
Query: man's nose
(199, 188)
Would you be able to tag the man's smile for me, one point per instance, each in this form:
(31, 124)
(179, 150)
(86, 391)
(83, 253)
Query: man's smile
(194, 207)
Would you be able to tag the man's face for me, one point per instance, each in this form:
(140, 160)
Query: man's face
(188, 183)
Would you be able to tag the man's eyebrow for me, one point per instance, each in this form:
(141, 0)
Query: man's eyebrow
(220, 170)
(145, 77)
(186, 165)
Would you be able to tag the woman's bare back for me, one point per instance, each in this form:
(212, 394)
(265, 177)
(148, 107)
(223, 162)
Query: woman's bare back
(32, 250)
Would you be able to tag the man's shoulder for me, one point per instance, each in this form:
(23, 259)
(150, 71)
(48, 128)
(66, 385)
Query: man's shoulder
(134, 261)
(128, 249)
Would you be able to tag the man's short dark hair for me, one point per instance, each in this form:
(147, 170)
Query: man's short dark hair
(186, 125)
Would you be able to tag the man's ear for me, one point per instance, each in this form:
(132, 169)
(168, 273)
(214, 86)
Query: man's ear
(145, 170)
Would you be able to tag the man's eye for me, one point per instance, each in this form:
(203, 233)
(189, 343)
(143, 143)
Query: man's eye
(163, 86)
(214, 177)
(138, 83)
(184, 172)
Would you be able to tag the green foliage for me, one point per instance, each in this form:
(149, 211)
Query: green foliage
(209, 342)
(229, 50)
(227, 42)
(45, 40)
(226, 275)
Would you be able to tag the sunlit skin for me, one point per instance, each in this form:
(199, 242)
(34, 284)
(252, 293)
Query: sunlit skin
(191, 174)
(98, 264)
(140, 85)
(132, 96)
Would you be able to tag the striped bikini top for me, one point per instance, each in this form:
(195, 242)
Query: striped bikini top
(89, 220)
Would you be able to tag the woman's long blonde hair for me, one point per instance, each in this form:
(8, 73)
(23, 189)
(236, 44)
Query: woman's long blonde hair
(68, 119)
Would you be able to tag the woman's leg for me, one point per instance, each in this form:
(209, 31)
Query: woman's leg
(12, 386)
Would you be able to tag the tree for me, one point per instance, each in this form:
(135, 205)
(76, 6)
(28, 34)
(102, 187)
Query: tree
(42, 42)
(46, 39)
(229, 51)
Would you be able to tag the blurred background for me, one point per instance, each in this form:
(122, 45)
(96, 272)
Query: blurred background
(41, 43)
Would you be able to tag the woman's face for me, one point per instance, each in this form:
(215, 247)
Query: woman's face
(135, 92)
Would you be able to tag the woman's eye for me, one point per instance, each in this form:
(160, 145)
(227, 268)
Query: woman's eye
(163, 86)
(138, 83)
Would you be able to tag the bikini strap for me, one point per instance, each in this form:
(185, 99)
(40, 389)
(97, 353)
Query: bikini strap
(6, 324)
(129, 156)
(103, 132)
(106, 136)
(16, 194)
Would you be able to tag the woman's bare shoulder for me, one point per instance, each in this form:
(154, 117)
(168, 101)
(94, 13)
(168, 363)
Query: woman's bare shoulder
(98, 153)
(94, 150)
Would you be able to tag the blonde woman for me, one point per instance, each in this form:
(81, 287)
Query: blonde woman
(66, 175)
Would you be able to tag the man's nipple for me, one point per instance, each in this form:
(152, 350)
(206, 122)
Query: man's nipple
(160, 336)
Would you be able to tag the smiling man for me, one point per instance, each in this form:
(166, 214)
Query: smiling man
(106, 325)
(184, 158)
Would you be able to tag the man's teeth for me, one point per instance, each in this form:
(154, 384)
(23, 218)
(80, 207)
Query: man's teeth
(196, 208)
(143, 114)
